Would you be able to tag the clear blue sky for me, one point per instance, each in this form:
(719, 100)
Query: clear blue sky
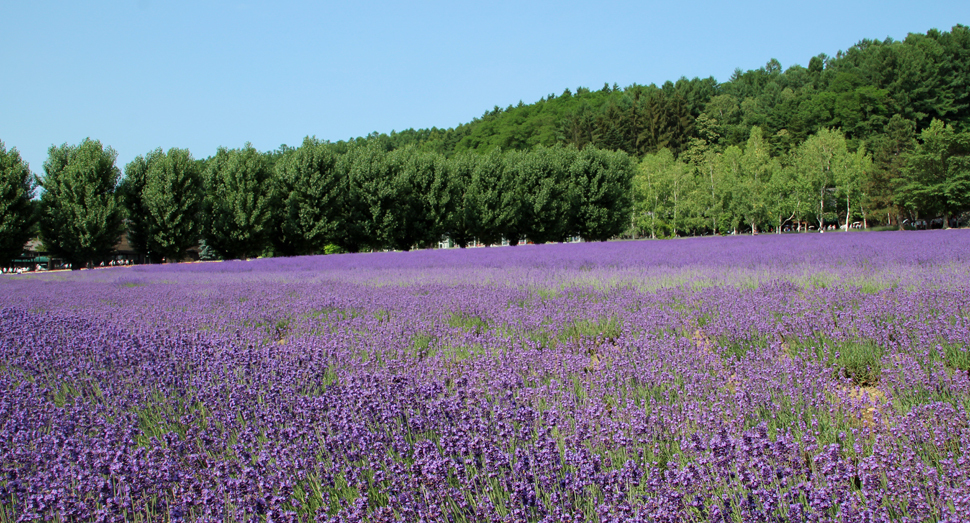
(141, 74)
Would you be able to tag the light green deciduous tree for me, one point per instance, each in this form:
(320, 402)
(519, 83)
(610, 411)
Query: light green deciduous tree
(936, 179)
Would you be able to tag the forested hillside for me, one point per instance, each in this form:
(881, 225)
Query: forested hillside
(923, 77)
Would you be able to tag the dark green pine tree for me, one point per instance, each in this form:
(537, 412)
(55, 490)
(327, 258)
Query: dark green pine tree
(889, 151)
(81, 213)
(578, 128)
(656, 133)
(633, 106)
(681, 124)
(16, 209)
(612, 128)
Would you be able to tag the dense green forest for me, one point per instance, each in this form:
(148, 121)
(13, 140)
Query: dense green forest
(923, 77)
(876, 135)
(877, 100)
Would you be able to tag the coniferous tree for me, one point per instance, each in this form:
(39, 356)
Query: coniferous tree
(889, 151)
(613, 128)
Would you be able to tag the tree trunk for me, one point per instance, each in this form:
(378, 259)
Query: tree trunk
(675, 214)
(821, 211)
(713, 200)
(848, 212)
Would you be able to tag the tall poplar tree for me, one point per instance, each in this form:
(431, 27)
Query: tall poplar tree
(466, 190)
(603, 183)
(239, 202)
(81, 214)
(310, 190)
(163, 195)
(16, 210)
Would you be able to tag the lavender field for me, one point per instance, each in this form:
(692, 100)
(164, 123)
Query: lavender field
(821, 377)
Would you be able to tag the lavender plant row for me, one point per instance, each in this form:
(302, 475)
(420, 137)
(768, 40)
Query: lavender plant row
(793, 378)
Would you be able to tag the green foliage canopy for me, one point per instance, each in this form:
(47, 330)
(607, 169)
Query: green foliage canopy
(239, 202)
(163, 194)
(311, 193)
(936, 179)
(81, 214)
(16, 210)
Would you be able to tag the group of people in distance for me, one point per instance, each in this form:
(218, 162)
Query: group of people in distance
(38, 267)
(20, 270)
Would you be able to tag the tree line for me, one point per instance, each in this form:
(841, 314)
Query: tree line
(821, 183)
(316, 198)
